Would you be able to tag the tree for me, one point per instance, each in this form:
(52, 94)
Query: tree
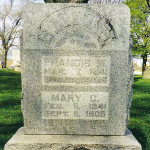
(148, 3)
(84, 1)
(8, 33)
(140, 28)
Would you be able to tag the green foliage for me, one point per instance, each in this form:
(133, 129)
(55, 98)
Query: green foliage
(140, 26)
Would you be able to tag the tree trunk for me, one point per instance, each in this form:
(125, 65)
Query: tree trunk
(144, 56)
(4, 63)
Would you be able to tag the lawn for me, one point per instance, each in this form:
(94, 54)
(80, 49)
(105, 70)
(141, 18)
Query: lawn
(11, 117)
(139, 122)
(10, 111)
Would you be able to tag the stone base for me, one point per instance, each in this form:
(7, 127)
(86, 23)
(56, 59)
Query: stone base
(71, 142)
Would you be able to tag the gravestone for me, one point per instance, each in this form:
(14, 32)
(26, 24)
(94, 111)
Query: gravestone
(146, 73)
(77, 75)
(1, 56)
(16, 59)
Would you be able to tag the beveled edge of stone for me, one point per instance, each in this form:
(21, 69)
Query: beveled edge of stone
(21, 140)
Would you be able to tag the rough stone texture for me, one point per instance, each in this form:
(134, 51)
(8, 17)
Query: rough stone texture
(76, 69)
(130, 81)
(146, 73)
(71, 142)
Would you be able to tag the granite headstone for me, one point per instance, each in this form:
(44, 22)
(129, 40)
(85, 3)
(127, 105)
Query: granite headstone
(77, 77)
(76, 69)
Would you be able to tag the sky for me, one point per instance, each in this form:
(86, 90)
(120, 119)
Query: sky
(17, 1)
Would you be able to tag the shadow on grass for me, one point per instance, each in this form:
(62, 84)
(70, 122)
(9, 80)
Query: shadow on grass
(139, 135)
(10, 83)
(8, 72)
(136, 78)
(141, 88)
(141, 85)
(6, 132)
(10, 102)
(140, 109)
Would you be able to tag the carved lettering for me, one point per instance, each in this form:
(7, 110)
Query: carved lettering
(78, 97)
(66, 113)
(97, 106)
(52, 113)
(96, 113)
(70, 97)
(52, 106)
(76, 113)
(75, 105)
(93, 98)
(57, 69)
(55, 97)
(66, 97)
(63, 98)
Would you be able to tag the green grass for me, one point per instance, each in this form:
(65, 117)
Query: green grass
(10, 111)
(139, 122)
(11, 117)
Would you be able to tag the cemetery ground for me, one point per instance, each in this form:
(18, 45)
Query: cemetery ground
(11, 118)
